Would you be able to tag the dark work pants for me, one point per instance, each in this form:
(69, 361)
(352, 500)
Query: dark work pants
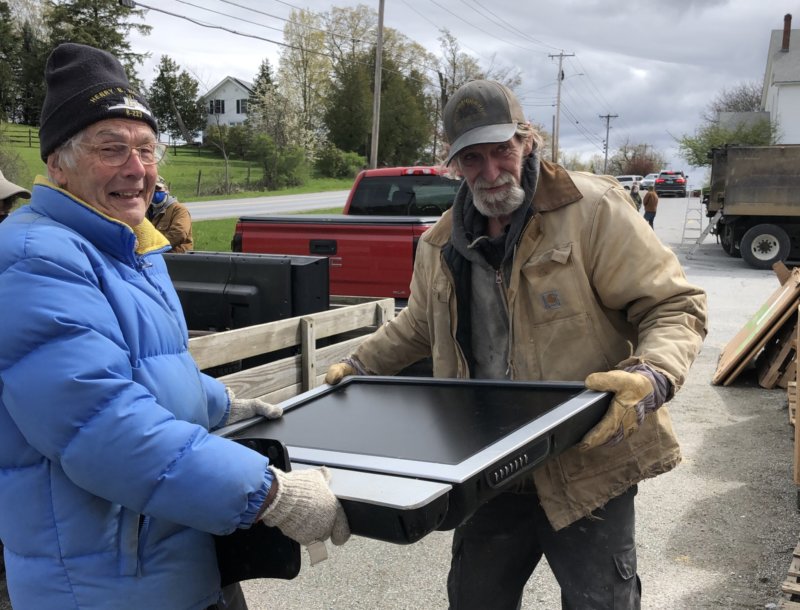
(497, 549)
(650, 217)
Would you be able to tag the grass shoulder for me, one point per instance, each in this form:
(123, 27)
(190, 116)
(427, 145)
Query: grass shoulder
(216, 235)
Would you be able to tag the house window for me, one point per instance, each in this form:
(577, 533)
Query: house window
(216, 107)
(241, 106)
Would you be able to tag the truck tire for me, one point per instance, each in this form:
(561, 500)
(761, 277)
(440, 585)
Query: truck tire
(764, 245)
(727, 239)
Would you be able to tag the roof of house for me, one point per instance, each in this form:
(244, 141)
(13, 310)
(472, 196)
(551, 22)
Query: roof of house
(782, 66)
(243, 84)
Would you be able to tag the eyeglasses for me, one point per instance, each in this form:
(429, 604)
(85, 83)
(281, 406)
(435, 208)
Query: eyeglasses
(116, 154)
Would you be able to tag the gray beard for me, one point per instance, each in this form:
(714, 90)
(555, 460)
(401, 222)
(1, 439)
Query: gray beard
(502, 204)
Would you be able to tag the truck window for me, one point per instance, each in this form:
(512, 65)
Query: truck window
(404, 195)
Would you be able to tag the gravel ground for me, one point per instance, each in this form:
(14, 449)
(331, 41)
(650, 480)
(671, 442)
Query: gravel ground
(716, 532)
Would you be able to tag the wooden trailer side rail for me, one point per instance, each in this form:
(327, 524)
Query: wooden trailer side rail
(287, 377)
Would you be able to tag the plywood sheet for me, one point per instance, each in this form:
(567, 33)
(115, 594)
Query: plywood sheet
(746, 344)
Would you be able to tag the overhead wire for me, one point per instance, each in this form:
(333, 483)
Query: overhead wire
(484, 12)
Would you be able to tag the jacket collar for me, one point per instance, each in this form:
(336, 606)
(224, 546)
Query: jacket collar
(105, 233)
(554, 190)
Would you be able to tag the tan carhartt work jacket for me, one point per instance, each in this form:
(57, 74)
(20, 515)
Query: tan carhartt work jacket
(591, 289)
(175, 223)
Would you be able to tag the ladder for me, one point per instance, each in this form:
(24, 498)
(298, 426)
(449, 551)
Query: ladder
(711, 224)
(692, 222)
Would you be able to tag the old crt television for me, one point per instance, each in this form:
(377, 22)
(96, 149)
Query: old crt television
(221, 290)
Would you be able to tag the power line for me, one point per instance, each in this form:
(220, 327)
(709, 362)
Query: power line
(509, 26)
(202, 8)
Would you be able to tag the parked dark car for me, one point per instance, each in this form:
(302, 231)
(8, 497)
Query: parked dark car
(671, 183)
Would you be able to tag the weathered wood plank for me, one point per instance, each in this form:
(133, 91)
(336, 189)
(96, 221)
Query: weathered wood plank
(790, 587)
(267, 379)
(233, 345)
(308, 356)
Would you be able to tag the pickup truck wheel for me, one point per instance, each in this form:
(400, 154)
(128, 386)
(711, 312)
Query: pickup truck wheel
(764, 245)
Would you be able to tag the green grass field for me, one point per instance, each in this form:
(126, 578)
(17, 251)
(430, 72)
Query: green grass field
(213, 235)
(183, 168)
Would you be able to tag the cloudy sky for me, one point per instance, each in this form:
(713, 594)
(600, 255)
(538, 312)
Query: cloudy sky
(654, 64)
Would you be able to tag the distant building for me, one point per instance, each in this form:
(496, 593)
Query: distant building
(732, 120)
(780, 96)
(226, 103)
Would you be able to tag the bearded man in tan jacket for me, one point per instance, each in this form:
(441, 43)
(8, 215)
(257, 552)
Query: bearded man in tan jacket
(529, 277)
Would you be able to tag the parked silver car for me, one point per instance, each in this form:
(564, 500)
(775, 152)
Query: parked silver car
(649, 180)
(627, 180)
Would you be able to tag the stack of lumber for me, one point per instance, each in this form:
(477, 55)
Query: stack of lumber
(768, 339)
(790, 589)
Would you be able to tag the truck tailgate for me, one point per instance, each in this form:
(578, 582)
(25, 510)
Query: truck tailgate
(368, 256)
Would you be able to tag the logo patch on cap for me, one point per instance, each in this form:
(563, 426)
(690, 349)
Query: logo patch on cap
(468, 110)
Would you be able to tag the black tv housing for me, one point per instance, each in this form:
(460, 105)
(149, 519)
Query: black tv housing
(226, 290)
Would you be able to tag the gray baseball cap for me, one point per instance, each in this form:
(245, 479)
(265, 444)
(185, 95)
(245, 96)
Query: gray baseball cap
(480, 112)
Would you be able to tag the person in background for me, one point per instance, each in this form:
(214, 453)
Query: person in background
(650, 205)
(9, 192)
(635, 195)
(171, 218)
(529, 277)
(112, 485)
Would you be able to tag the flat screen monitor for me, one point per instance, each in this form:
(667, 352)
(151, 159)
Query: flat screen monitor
(477, 436)
(220, 291)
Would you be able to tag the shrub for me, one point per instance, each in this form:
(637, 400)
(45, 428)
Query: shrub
(335, 163)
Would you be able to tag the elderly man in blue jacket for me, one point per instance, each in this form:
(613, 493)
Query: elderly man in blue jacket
(112, 486)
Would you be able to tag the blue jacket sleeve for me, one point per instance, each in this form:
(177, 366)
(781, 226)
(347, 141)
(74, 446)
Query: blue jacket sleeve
(72, 385)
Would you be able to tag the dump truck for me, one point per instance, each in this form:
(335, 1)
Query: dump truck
(754, 202)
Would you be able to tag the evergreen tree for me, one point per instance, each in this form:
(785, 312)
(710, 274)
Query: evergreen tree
(30, 76)
(405, 127)
(10, 45)
(263, 86)
(104, 24)
(173, 98)
(348, 114)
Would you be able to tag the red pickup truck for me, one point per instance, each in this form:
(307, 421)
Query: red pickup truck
(371, 245)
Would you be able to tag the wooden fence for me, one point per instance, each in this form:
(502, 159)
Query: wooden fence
(29, 138)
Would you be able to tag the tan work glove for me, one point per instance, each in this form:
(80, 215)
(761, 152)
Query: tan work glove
(339, 371)
(624, 415)
(245, 408)
(305, 509)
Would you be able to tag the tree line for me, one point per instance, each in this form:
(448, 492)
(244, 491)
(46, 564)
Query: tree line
(313, 109)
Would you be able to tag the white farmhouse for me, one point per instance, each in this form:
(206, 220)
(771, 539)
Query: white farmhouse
(226, 103)
(781, 93)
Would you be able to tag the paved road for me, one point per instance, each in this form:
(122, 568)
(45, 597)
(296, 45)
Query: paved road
(278, 204)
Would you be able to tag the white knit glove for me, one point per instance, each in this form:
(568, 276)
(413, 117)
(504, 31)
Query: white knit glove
(305, 509)
(245, 408)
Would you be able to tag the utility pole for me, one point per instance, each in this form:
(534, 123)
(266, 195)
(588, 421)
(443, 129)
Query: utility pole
(559, 78)
(376, 96)
(608, 118)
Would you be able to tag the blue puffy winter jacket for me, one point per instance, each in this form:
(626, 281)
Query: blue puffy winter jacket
(110, 484)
